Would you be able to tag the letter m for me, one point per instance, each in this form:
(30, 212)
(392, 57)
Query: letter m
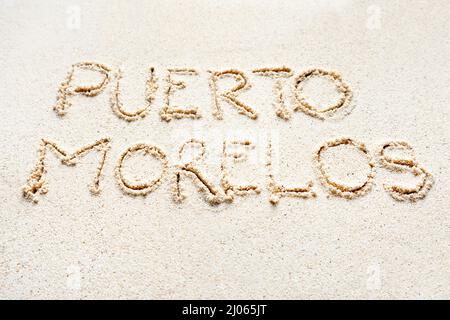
(36, 183)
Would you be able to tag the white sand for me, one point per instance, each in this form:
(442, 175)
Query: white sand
(72, 244)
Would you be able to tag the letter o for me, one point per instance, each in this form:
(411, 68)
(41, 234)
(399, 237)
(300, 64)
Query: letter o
(141, 188)
(303, 105)
(340, 189)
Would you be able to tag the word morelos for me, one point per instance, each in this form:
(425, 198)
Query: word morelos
(227, 191)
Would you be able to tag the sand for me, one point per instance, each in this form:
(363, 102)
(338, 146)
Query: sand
(258, 229)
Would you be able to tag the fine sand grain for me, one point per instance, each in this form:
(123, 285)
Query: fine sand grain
(225, 149)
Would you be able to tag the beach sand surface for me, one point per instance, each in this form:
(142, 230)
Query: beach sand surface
(74, 245)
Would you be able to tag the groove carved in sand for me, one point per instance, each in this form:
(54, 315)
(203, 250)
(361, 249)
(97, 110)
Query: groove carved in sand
(189, 169)
(277, 191)
(404, 165)
(277, 73)
(303, 105)
(141, 189)
(65, 91)
(229, 188)
(169, 112)
(230, 96)
(36, 183)
(339, 189)
(151, 87)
